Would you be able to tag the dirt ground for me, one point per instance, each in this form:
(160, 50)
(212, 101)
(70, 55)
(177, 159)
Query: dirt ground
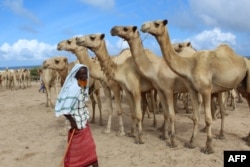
(31, 136)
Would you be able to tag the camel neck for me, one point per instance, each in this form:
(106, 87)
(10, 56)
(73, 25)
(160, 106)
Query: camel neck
(94, 68)
(173, 60)
(139, 55)
(106, 62)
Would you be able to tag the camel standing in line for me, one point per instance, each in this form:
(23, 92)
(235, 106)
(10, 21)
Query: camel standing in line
(206, 72)
(61, 65)
(156, 70)
(132, 82)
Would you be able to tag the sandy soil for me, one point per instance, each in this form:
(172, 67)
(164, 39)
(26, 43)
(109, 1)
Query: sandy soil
(31, 136)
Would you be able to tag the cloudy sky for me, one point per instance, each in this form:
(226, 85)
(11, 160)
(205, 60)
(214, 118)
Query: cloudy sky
(30, 30)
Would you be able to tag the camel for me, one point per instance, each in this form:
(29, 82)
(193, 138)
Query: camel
(131, 81)
(50, 78)
(95, 72)
(61, 65)
(206, 72)
(26, 78)
(155, 69)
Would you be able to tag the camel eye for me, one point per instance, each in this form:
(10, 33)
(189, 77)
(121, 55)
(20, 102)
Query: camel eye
(68, 42)
(92, 38)
(56, 61)
(125, 29)
(156, 24)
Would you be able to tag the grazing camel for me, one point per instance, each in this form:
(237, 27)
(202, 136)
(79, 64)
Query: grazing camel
(61, 65)
(206, 72)
(132, 82)
(156, 70)
(95, 72)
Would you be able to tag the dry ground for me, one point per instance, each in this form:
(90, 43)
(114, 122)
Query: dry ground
(31, 136)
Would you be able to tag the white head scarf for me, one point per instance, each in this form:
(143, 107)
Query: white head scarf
(69, 92)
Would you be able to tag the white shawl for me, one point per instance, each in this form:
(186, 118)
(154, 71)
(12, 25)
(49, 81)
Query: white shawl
(69, 92)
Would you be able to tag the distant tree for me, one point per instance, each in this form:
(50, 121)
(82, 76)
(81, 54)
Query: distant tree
(34, 73)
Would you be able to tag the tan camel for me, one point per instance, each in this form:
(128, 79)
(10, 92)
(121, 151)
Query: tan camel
(206, 72)
(155, 69)
(95, 72)
(61, 65)
(132, 82)
(50, 78)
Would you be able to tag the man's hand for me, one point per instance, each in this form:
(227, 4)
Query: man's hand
(72, 121)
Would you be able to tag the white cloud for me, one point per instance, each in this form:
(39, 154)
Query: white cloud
(103, 4)
(223, 13)
(17, 7)
(209, 39)
(26, 50)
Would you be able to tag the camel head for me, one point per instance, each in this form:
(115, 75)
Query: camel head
(154, 28)
(69, 45)
(56, 63)
(125, 32)
(92, 41)
(179, 47)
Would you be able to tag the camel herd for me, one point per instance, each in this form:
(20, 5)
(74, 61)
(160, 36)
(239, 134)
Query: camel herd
(15, 79)
(145, 78)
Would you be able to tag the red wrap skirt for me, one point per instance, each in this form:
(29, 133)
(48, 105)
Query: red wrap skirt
(82, 150)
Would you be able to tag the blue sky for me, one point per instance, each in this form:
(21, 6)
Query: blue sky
(30, 30)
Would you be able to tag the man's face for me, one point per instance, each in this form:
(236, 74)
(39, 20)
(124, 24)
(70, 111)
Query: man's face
(82, 74)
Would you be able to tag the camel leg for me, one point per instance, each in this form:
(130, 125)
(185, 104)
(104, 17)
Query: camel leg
(196, 110)
(143, 103)
(92, 99)
(138, 115)
(99, 103)
(133, 117)
(164, 127)
(222, 112)
(153, 107)
(170, 103)
(208, 149)
(117, 95)
(247, 139)
(107, 94)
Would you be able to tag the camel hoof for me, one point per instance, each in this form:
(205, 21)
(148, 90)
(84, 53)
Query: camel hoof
(139, 142)
(121, 133)
(189, 145)
(172, 145)
(245, 138)
(207, 150)
(106, 131)
(130, 135)
(220, 136)
(162, 137)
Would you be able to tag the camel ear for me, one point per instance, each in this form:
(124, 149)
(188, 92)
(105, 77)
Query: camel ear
(165, 22)
(189, 44)
(102, 36)
(65, 59)
(134, 28)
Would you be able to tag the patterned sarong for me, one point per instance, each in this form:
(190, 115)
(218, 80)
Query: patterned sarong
(82, 150)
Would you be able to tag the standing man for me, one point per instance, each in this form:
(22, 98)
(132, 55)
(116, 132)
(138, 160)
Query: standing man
(71, 103)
